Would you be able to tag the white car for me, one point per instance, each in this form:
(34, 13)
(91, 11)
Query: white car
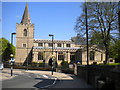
(1, 66)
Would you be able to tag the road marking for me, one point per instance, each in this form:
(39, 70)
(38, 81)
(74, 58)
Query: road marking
(50, 84)
(55, 81)
(45, 76)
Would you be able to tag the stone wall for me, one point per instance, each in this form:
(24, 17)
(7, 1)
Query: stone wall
(101, 76)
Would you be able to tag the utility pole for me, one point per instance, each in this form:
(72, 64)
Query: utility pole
(87, 33)
(119, 17)
(87, 42)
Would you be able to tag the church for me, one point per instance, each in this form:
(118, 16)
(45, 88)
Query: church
(30, 50)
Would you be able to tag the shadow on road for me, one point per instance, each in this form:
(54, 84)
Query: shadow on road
(44, 82)
(65, 83)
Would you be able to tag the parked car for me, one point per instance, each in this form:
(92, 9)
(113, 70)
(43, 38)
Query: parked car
(1, 66)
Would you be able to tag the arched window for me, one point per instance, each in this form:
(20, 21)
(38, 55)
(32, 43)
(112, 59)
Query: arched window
(92, 55)
(25, 32)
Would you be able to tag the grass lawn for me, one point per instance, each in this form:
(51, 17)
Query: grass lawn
(110, 64)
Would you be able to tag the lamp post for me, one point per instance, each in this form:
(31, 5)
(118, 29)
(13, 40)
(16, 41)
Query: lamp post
(12, 37)
(52, 50)
(11, 55)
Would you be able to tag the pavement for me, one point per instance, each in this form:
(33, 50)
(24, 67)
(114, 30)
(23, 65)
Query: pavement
(5, 74)
(62, 80)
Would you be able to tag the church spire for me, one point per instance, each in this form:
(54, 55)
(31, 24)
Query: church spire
(26, 16)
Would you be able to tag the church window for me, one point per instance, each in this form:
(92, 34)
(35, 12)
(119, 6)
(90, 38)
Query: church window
(60, 56)
(25, 32)
(101, 57)
(59, 45)
(92, 55)
(67, 45)
(24, 45)
(72, 57)
(40, 44)
(50, 44)
(40, 55)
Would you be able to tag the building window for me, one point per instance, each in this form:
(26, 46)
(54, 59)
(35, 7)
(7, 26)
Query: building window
(67, 45)
(92, 55)
(59, 45)
(24, 45)
(60, 56)
(25, 32)
(40, 44)
(101, 57)
(50, 44)
(72, 57)
(40, 55)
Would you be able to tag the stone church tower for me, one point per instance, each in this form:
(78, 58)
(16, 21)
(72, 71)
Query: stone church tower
(24, 39)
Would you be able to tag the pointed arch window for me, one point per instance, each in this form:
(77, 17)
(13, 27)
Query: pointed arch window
(92, 55)
(25, 32)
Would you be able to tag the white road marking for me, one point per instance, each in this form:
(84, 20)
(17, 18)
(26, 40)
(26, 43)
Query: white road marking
(55, 81)
(50, 84)
(45, 76)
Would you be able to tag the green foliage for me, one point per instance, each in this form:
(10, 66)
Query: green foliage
(36, 64)
(6, 49)
(111, 64)
(64, 64)
(102, 17)
(115, 49)
(96, 39)
(41, 64)
(79, 39)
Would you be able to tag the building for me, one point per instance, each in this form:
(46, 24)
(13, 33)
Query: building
(30, 50)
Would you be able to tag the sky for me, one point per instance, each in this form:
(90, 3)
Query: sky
(57, 18)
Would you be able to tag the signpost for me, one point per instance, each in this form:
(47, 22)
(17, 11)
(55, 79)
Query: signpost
(11, 63)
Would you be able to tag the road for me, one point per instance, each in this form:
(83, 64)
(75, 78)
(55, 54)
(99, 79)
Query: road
(29, 80)
(32, 79)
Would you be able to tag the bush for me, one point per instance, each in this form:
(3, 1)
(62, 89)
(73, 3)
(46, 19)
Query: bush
(64, 64)
(34, 64)
(41, 64)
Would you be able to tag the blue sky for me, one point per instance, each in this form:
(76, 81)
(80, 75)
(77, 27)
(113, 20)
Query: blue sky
(56, 18)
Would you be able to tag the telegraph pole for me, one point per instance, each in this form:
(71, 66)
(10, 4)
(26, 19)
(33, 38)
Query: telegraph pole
(87, 42)
(119, 17)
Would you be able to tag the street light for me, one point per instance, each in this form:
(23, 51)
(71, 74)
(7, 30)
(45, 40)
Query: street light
(11, 55)
(52, 50)
(12, 37)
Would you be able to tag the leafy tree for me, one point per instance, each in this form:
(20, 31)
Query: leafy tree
(3, 44)
(79, 39)
(102, 17)
(6, 49)
(115, 49)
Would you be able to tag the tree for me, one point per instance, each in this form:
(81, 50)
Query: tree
(96, 38)
(115, 49)
(102, 17)
(6, 49)
(78, 39)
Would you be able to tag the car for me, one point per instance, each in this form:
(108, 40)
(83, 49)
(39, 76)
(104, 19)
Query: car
(1, 66)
